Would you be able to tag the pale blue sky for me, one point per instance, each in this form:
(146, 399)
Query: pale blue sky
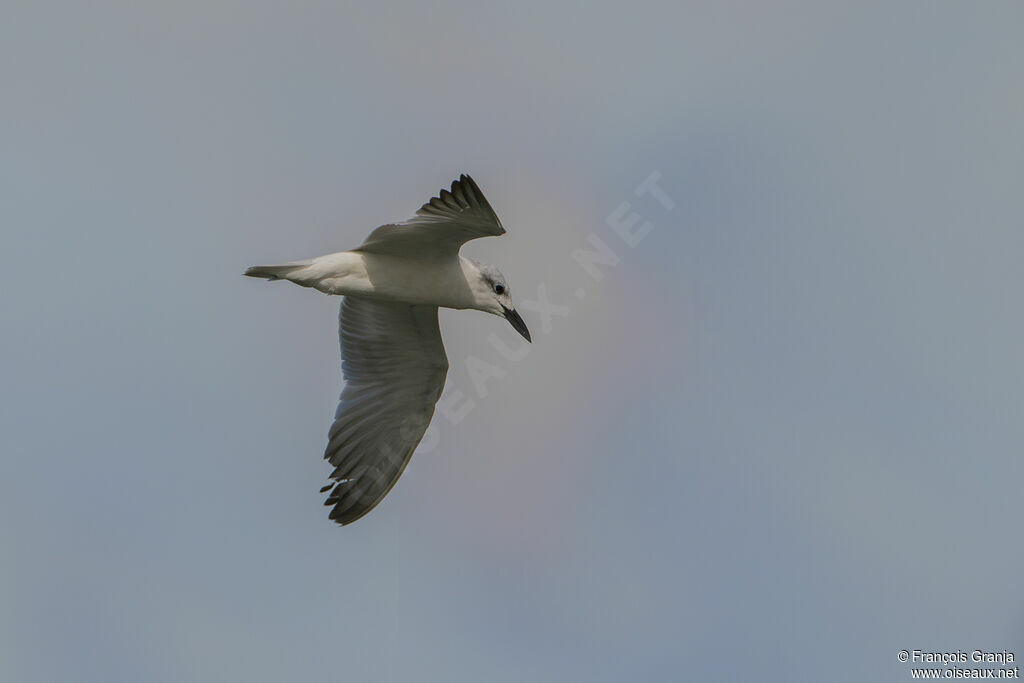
(780, 440)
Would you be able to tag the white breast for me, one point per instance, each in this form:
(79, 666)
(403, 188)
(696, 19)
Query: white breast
(389, 278)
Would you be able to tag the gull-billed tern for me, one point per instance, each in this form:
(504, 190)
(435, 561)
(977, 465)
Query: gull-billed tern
(392, 356)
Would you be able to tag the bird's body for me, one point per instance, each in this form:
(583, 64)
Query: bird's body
(440, 282)
(393, 358)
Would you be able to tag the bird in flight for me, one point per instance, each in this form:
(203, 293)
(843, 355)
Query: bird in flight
(392, 356)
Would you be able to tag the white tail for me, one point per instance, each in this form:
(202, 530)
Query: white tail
(276, 272)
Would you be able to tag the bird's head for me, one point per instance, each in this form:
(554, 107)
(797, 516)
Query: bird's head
(491, 294)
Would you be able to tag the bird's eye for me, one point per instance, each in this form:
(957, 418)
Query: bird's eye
(498, 289)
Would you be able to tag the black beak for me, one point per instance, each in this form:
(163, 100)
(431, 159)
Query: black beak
(517, 322)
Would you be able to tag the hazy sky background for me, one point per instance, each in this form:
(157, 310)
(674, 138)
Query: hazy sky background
(781, 440)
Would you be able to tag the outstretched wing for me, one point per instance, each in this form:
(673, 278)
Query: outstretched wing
(441, 226)
(394, 365)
